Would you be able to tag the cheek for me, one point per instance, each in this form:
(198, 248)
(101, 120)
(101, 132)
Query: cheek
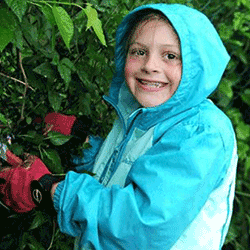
(176, 74)
(130, 66)
(179, 74)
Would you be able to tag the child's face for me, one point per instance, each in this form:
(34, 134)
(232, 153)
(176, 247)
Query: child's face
(153, 65)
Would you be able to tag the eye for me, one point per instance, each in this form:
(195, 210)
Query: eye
(137, 52)
(171, 57)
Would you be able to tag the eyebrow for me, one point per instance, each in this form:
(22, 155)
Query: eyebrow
(163, 45)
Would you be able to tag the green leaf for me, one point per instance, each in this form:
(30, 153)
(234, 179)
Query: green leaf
(64, 23)
(65, 67)
(6, 37)
(95, 22)
(243, 56)
(225, 88)
(33, 243)
(55, 100)
(225, 93)
(56, 58)
(58, 139)
(28, 120)
(68, 63)
(85, 103)
(7, 19)
(80, 21)
(232, 234)
(85, 78)
(247, 166)
(17, 149)
(18, 39)
(3, 119)
(47, 11)
(45, 70)
(52, 159)
(38, 220)
(242, 131)
(34, 137)
(235, 115)
(246, 3)
(238, 20)
(18, 7)
(226, 31)
(246, 96)
(65, 73)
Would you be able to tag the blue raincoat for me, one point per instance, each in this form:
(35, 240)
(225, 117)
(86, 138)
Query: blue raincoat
(165, 175)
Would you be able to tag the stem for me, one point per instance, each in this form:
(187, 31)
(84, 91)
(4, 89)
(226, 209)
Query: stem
(53, 40)
(16, 80)
(37, 4)
(206, 5)
(243, 194)
(53, 234)
(54, 2)
(26, 85)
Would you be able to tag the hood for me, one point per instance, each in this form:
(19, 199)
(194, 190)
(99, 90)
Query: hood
(204, 59)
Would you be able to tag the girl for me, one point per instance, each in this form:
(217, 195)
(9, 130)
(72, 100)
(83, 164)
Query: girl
(165, 175)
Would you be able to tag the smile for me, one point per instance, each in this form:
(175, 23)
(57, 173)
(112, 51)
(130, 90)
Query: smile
(151, 84)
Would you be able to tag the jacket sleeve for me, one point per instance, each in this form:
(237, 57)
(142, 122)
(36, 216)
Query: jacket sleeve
(166, 188)
(86, 161)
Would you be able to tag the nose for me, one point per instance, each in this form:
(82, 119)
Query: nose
(151, 64)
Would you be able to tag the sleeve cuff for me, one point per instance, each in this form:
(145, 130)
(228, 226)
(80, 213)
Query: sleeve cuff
(56, 198)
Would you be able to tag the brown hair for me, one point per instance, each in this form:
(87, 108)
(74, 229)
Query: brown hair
(147, 15)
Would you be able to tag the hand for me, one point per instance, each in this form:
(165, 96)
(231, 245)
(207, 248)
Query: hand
(15, 183)
(53, 189)
(68, 124)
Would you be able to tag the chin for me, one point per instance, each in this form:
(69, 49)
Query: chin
(151, 104)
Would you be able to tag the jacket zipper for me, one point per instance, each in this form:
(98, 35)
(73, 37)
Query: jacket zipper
(118, 153)
(116, 156)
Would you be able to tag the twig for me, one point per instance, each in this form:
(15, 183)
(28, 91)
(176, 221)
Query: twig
(26, 84)
(21, 66)
(16, 80)
(206, 5)
(243, 194)
(53, 235)
(55, 2)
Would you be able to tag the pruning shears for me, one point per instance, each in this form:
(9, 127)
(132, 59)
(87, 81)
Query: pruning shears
(11, 159)
(8, 156)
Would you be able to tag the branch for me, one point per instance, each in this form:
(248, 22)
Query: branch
(26, 84)
(55, 2)
(243, 194)
(16, 80)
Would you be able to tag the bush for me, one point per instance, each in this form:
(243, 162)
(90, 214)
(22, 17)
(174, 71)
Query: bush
(58, 56)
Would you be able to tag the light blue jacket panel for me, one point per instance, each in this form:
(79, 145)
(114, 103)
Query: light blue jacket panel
(165, 176)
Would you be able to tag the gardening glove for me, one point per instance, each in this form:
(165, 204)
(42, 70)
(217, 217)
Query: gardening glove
(16, 182)
(68, 125)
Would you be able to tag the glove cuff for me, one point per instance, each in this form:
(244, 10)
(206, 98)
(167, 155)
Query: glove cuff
(40, 191)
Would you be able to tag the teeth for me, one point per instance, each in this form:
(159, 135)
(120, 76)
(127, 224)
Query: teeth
(152, 84)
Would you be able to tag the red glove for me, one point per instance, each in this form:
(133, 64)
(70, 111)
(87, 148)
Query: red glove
(68, 124)
(15, 184)
(59, 123)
